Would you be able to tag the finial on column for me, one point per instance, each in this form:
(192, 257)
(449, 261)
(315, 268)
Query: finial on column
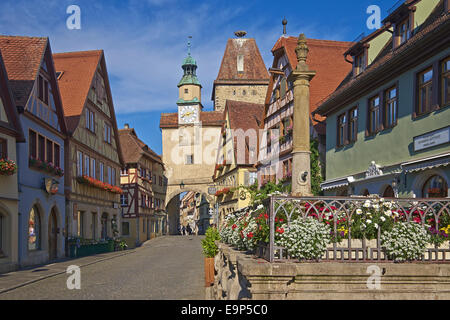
(284, 22)
(302, 51)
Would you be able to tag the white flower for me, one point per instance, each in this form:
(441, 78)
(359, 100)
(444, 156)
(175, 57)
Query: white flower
(358, 211)
(383, 219)
(367, 204)
(388, 213)
(369, 221)
(376, 225)
(381, 199)
(375, 206)
(260, 207)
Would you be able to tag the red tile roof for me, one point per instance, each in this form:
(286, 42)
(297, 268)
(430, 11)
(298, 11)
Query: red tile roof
(78, 72)
(254, 67)
(6, 97)
(208, 118)
(436, 23)
(22, 57)
(245, 116)
(326, 57)
(133, 148)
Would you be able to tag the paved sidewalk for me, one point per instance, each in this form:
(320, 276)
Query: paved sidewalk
(17, 279)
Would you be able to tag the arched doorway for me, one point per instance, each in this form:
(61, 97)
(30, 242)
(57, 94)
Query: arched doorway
(34, 229)
(435, 187)
(104, 221)
(52, 235)
(388, 192)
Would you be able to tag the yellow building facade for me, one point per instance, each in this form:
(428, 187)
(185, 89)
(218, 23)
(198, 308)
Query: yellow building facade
(237, 156)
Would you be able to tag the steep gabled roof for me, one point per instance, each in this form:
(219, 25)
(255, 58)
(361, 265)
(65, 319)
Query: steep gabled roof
(75, 82)
(244, 115)
(23, 57)
(254, 68)
(326, 57)
(133, 148)
(208, 118)
(13, 123)
(78, 71)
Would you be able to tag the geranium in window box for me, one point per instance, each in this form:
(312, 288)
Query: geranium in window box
(7, 167)
(98, 184)
(48, 167)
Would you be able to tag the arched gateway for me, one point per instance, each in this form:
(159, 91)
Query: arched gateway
(189, 143)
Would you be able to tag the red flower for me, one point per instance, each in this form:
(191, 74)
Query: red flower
(250, 235)
(279, 230)
(234, 226)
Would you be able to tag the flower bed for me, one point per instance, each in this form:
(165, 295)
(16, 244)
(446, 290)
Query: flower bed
(399, 230)
(7, 167)
(98, 184)
(46, 166)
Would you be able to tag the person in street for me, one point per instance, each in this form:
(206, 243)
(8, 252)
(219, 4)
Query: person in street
(183, 230)
(189, 230)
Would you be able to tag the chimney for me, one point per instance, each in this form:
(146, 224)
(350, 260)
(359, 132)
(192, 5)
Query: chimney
(126, 126)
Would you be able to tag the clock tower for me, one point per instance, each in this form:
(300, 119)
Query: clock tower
(189, 92)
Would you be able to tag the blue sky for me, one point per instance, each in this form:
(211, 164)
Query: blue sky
(145, 40)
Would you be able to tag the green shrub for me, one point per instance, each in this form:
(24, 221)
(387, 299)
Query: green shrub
(209, 245)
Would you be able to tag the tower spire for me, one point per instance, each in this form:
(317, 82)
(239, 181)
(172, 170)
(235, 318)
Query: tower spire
(189, 45)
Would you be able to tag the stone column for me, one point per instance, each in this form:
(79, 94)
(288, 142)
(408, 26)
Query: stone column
(301, 77)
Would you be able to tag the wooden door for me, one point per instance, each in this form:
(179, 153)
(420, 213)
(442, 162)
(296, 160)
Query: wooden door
(389, 192)
(52, 236)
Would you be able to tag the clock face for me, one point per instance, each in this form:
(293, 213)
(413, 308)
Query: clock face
(188, 114)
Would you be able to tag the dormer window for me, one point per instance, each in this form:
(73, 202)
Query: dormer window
(360, 63)
(402, 32)
(240, 63)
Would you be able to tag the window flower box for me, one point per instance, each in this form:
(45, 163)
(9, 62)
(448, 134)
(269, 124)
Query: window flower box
(46, 166)
(7, 167)
(98, 184)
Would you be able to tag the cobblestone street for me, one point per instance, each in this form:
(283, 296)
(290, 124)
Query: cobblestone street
(169, 267)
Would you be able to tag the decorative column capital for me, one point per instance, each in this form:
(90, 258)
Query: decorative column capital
(301, 72)
(302, 51)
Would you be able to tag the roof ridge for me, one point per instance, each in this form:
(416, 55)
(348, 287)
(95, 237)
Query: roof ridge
(23, 37)
(70, 54)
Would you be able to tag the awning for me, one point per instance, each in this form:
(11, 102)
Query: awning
(333, 184)
(427, 163)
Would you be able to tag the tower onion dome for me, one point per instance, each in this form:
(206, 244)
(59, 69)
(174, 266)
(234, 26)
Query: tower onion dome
(190, 71)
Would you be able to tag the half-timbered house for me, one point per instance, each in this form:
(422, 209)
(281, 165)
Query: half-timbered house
(40, 159)
(143, 183)
(324, 57)
(93, 153)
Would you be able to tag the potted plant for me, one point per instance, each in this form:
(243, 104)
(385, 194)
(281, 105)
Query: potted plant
(7, 167)
(210, 250)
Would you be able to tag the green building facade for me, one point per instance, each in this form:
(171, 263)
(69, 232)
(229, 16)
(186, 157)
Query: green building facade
(388, 124)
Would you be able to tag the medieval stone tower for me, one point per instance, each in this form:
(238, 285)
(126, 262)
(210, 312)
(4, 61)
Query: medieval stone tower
(242, 75)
